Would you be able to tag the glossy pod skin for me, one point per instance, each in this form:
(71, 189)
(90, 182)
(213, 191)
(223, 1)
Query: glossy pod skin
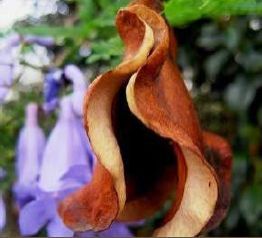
(147, 139)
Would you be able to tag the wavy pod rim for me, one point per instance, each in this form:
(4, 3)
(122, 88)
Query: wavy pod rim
(149, 72)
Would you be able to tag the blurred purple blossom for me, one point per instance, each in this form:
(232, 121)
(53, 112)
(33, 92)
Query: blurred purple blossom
(6, 67)
(41, 213)
(45, 41)
(67, 166)
(29, 153)
(6, 74)
(13, 40)
(66, 147)
(74, 74)
(7, 60)
(55, 79)
(78, 173)
(117, 229)
(65, 144)
(50, 106)
(2, 213)
(52, 84)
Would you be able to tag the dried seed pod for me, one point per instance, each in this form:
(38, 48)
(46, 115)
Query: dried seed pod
(146, 136)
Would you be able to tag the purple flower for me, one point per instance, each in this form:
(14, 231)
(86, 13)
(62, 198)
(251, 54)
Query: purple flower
(45, 41)
(6, 68)
(52, 85)
(30, 147)
(67, 166)
(76, 77)
(2, 213)
(12, 40)
(117, 229)
(66, 147)
(6, 71)
(40, 213)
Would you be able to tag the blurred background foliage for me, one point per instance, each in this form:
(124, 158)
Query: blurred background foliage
(221, 61)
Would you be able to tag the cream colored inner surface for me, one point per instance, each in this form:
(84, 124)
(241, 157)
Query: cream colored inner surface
(200, 189)
(198, 202)
(99, 114)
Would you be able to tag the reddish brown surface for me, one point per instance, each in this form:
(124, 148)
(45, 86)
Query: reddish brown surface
(172, 45)
(94, 206)
(219, 155)
(131, 31)
(171, 108)
(164, 106)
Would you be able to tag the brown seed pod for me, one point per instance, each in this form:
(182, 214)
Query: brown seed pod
(145, 134)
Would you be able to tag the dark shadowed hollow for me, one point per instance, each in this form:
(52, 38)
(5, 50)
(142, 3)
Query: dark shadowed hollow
(147, 157)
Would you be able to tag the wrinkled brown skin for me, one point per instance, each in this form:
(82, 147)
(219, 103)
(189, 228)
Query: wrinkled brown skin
(85, 216)
(219, 155)
(169, 112)
(144, 207)
(94, 205)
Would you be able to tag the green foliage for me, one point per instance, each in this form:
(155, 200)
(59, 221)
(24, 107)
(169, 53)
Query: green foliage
(95, 20)
(106, 50)
(11, 121)
(55, 31)
(179, 12)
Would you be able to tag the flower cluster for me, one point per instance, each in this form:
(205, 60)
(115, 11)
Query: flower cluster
(50, 169)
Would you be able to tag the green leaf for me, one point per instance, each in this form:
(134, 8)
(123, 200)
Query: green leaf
(105, 50)
(104, 3)
(180, 12)
(86, 9)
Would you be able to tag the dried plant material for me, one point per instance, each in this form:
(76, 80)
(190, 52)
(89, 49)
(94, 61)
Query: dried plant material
(146, 136)
(98, 209)
(138, 38)
(219, 155)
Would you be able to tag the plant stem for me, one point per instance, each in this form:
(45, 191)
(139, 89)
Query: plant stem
(156, 5)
